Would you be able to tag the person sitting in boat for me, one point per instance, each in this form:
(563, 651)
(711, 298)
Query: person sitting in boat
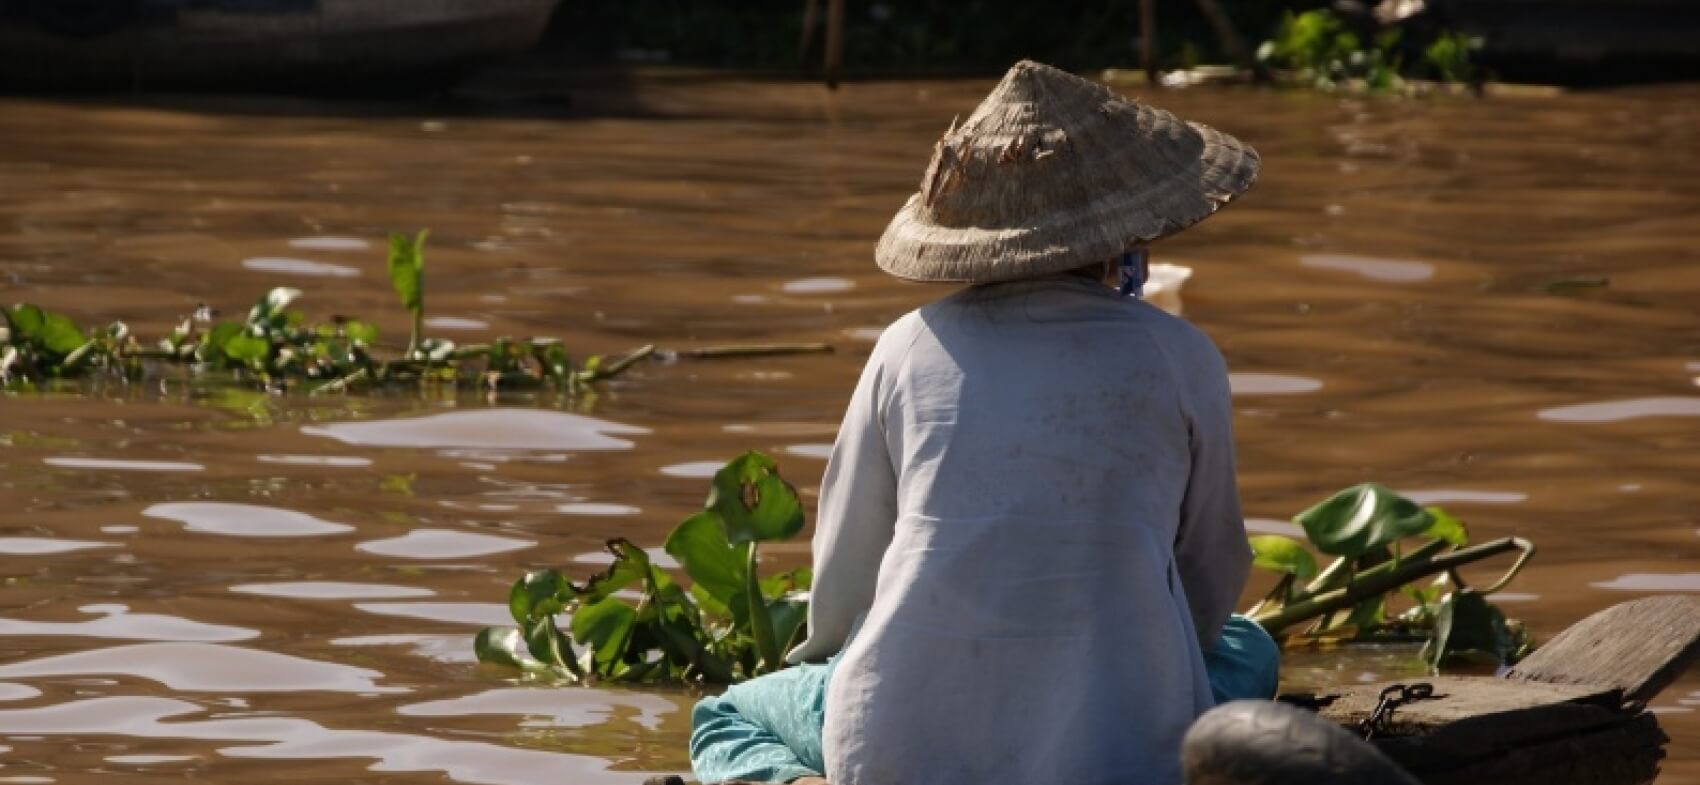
(1029, 540)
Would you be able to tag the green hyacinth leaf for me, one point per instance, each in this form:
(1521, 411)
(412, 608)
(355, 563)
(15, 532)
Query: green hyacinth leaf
(407, 269)
(714, 564)
(754, 503)
(1361, 519)
(1276, 553)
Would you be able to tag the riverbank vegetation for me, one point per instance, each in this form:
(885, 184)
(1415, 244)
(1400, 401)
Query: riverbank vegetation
(1394, 577)
(1351, 45)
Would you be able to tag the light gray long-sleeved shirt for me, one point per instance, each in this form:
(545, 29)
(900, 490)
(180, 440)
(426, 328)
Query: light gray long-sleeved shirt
(1030, 520)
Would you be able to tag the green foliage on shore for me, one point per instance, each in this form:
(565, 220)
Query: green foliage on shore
(1318, 48)
(635, 623)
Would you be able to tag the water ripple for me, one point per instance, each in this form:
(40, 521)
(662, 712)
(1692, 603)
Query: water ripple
(205, 667)
(332, 590)
(575, 707)
(485, 429)
(109, 464)
(290, 738)
(244, 520)
(36, 546)
(1619, 411)
(117, 622)
(443, 544)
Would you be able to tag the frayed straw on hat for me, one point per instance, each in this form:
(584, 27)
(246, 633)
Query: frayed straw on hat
(1053, 172)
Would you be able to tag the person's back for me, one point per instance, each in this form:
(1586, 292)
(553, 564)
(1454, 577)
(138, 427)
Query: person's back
(1028, 530)
(1030, 619)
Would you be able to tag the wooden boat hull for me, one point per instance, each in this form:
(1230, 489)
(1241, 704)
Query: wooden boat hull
(172, 44)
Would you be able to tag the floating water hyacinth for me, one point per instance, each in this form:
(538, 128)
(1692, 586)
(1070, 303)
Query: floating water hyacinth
(275, 348)
(731, 624)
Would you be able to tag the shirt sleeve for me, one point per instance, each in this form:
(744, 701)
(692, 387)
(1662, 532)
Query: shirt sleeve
(855, 522)
(1211, 551)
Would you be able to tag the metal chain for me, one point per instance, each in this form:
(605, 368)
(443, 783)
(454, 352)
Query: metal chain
(1392, 698)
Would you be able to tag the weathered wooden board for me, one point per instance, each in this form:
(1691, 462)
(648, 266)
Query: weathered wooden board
(1487, 730)
(1464, 698)
(1639, 647)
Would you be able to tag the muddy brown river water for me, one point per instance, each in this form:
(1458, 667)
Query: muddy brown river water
(1491, 305)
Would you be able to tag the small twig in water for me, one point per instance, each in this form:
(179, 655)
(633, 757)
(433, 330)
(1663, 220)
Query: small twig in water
(751, 350)
(338, 385)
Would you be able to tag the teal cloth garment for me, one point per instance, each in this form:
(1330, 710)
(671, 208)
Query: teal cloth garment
(768, 729)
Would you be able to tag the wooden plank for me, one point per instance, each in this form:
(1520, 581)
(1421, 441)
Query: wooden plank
(1639, 647)
(1458, 698)
(1487, 730)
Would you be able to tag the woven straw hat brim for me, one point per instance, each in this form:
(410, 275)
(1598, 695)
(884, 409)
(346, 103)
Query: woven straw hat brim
(1054, 172)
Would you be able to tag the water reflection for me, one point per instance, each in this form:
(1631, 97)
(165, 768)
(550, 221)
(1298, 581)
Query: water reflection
(1390, 270)
(244, 520)
(869, 334)
(329, 244)
(340, 461)
(1652, 582)
(455, 323)
(481, 614)
(332, 590)
(39, 546)
(440, 648)
(574, 707)
(486, 429)
(205, 667)
(595, 508)
(285, 738)
(16, 692)
(695, 470)
(116, 621)
(147, 760)
(819, 452)
(1271, 384)
(1273, 526)
(287, 266)
(443, 544)
(112, 464)
(1461, 496)
(818, 285)
(1619, 411)
(657, 556)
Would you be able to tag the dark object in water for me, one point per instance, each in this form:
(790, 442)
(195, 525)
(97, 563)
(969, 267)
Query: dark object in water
(344, 45)
(1269, 743)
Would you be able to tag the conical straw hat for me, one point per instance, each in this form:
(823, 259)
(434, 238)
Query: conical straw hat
(1053, 172)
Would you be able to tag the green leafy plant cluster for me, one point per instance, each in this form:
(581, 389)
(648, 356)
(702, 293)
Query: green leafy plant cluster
(1383, 545)
(275, 347)
(1316, 48)
(635, 623)
(731, 624)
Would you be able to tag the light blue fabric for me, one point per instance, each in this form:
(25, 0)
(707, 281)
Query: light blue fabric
(1245, 664)
(769, 729)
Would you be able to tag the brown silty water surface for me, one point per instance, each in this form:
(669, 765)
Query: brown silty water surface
(248, 588)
